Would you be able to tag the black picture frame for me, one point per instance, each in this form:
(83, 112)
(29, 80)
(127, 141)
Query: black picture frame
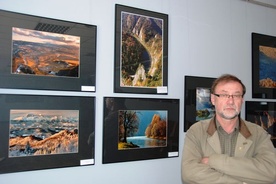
(17, 156)
(191, 112)
(263, 66)
(37, 63)
(112, 108)
(143, 70)
(262, 113)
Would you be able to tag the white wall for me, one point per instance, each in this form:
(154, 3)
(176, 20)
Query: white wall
(206, 38)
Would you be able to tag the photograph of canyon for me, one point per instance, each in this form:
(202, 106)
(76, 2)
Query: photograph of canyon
(141, 60)
(40, 53)
(142, 129)
(43, 132)
(264, 115)
(267, 71)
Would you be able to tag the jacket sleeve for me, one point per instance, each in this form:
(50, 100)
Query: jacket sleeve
(194, 172)
(258, 168)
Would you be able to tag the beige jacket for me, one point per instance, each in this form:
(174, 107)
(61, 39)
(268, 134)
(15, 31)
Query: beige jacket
(254, 161)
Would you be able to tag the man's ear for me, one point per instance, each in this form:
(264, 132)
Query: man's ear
(212, 99)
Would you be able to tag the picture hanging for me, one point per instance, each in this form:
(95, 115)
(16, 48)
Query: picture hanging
(264, 115)
(198, 104)
(263, 66)
(46, 54)
(140, 129)
(45, 132)
(141, 51)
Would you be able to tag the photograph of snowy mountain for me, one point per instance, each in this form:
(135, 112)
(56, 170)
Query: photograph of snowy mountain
(43, 132)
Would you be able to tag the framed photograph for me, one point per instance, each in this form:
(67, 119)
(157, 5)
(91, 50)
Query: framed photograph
(263, 66)
(45, 132)
(198, 104)
(140, 129)
(263, 114)
(141, 51)
(46, 54)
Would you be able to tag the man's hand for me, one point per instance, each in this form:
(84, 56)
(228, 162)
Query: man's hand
(205, 160)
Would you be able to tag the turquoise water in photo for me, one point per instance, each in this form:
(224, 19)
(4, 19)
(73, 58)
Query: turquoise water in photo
(144, 142)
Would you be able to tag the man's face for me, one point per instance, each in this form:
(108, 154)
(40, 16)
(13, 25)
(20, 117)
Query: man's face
(228, 107)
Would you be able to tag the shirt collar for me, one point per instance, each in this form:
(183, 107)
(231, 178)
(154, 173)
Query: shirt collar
(242, 127)
(219, 125)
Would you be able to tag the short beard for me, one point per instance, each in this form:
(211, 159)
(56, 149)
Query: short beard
(221, 114)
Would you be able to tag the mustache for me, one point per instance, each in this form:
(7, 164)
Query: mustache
(230, 107)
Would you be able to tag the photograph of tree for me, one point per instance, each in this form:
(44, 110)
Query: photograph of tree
(204, 107)
(142, 129)
(264, 115)
(43, 132)
(44, 53)
(141, 50)
(267, 73)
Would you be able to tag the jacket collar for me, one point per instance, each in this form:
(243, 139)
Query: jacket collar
(243, 128)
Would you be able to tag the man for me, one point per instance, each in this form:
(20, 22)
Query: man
(226, 148)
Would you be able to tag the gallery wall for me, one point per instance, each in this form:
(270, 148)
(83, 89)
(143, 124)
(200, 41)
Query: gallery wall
(206, 38)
